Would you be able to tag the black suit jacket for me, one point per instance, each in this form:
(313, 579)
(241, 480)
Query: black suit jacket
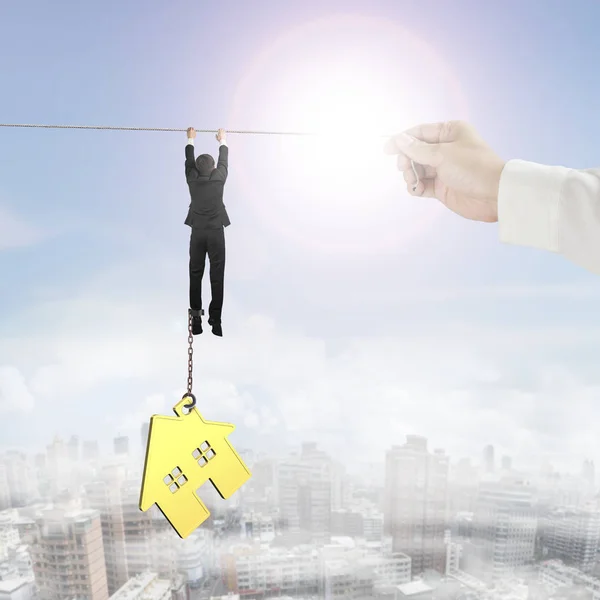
(207, 210)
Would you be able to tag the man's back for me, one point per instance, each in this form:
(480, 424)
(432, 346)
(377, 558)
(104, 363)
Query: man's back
(206, 210)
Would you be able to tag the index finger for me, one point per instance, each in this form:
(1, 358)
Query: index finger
(441, 132)
(431, 133)
(428, 132)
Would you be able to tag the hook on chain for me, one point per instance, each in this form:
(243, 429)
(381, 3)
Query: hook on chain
(192, 403)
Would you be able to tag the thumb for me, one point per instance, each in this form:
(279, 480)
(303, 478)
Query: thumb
(417, 150)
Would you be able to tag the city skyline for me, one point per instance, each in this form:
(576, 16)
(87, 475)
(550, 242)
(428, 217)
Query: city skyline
(301, 528)
(133, 447)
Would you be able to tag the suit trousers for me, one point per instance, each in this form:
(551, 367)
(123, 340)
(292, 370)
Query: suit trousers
(209, 242)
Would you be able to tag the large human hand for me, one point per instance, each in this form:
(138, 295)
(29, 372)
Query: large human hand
(454, 165)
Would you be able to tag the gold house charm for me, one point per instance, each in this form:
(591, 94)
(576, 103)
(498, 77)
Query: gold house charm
(184, 452)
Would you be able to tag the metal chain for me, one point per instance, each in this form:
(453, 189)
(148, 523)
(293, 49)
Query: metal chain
(190, 377)
(190, 355)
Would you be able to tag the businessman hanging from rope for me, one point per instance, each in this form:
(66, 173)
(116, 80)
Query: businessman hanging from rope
(207, 218)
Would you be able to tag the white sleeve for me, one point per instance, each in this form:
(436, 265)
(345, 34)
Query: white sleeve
(190, 141)
(551, 208)
(223, 143)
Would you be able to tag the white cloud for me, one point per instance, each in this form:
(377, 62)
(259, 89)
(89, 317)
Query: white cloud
(130, 421)
(217, 400)
(14, 392)
(577, 290)
(15, 232)
(461, 385)
(370, 393)
(80, 363)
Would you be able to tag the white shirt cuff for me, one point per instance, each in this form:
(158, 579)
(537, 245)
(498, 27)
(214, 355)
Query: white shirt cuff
(223, 143)
(528, 201)
(190, 141)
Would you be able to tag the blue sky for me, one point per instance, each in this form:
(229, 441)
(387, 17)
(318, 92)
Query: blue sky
(405, 319)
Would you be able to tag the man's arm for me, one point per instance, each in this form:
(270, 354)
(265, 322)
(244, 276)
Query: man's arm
(551, 208)
(190, 158)
(223, 162)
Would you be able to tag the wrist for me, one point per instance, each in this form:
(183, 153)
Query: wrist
(495, 177)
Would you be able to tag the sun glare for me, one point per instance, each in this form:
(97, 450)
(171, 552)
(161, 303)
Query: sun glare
(351, 119)
(352, 81)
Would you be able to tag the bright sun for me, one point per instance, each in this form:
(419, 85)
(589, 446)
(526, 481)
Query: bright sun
(352, 80)
(351, 117)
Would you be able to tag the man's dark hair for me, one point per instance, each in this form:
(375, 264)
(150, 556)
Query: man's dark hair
(205, 163)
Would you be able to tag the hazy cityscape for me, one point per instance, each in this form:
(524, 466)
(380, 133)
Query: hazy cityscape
(302, 527)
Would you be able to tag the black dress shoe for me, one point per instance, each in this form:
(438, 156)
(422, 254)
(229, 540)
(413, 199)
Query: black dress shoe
(216, 327)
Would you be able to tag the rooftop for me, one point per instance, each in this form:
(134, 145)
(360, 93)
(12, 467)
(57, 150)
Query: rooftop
(12, 585)
(413, 588)
(146, 586)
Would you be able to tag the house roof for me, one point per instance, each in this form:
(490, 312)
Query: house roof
(12, 585)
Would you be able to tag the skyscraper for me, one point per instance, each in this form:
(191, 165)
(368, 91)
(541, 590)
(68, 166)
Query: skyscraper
(416, 484)
(91, 450)
(150, 542)
(488, 459)
(4, 489)
(588, 472)
(304, 489)
(68, 556)
(121, 445)
(504, 530)
(21, 479)
(573, 535)
(145, 431)
(463, 487)
(104, 495)
(73, 448)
